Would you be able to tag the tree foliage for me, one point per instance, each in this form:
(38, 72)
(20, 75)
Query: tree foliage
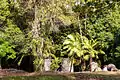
(51, 28)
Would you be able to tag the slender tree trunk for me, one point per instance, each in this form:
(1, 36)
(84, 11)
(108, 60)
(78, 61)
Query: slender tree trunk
(90, 62)
(83, 65)
(85, 20)
(71, 64)
(35, 25)
(36, 35)
(0, 63)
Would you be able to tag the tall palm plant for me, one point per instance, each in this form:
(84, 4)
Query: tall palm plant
(77, 45)
(90, 46)
(73, 46)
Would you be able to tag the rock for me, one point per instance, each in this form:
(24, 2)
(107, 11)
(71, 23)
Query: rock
(105, 68)
(66, 64)
(111, 67)
(94, 66)
(47, 64)
(98, 69)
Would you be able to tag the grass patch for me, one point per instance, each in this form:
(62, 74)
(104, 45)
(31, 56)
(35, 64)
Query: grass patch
(67, 76)
(35, 78)
(86, 76)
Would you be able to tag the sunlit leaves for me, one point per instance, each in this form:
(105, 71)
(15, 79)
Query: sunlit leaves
(6, 49)
(73, 45)
(4, 10)
(81, 46)
(91, 46)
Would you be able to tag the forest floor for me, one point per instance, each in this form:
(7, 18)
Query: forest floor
(74, 75)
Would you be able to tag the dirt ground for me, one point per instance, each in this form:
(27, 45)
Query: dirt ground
(14, 72)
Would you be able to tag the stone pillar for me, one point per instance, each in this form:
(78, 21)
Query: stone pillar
(66, 65)
(47, 64)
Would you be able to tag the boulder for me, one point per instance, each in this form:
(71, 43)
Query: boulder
(66, 65)
(105, 68)
(98, 69)
(94, 66)
(111, 67)
(47, 64)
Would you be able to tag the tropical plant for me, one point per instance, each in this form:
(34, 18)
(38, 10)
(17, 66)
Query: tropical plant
(6, 49)
(92, 49)
(80, 46)
(73, 46)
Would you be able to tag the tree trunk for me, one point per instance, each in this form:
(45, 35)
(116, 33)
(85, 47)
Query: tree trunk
(90, 62)
(0, 64)
(71, 66)
(35, 25)
(83, 65)
(36, 35)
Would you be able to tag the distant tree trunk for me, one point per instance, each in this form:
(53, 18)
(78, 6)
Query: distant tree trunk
(83, 65)
(36, 35)
(35, 25)
(90, 62)
(0, 64)
(71, 66)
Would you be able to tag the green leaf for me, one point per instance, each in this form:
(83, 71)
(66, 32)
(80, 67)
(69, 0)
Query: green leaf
(86, 57)
(67, 42)
(71, 37)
